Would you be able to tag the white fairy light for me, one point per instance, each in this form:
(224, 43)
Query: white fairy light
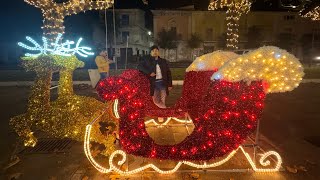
(112, 167)
(62, 49)
(167, 121)
(115, 108)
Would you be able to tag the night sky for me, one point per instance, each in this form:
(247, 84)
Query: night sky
(20, 19)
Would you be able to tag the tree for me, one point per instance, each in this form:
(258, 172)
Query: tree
(54, 13)
(286, 41)
(194, 42)
(235, 8)
(222, 41)
(254, 37)
(168, 39)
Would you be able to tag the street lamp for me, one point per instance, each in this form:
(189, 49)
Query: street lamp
(149, 33)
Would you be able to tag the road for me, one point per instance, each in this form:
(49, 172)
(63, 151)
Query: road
(290, 120)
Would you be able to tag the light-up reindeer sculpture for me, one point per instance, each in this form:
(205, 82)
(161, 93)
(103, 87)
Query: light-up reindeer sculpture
(69, 114)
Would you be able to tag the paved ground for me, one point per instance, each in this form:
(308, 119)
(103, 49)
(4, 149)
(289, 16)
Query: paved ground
(289, 120)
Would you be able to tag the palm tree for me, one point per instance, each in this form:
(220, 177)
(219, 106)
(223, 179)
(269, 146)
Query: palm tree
(194, 42)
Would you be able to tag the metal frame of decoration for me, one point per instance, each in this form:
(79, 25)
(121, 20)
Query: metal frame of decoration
(117, 168)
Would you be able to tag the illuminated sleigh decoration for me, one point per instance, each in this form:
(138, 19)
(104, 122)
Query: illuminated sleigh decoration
(223, 93)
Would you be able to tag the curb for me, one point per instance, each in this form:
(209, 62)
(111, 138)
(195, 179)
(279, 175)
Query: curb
(54, 83)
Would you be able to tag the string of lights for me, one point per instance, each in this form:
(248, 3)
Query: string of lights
(54, 13)
(235, 8)
(263, 161)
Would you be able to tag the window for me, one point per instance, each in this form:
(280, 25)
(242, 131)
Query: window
(125, 20)
(124, 35)
(209, 34)
(174, 29)
(288, 17)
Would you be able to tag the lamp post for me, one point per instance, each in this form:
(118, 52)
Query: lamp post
(114, 36)
(127, 52)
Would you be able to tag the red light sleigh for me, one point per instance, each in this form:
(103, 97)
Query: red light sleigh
(223, 112)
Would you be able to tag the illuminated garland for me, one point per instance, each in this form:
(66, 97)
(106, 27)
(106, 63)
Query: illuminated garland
(54, 13)
(235, 8)
(123, 155)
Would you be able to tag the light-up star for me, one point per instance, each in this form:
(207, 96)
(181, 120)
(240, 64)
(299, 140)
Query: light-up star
(62, 49)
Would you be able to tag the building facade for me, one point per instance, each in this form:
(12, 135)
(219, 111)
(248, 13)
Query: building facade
(132, 36)
(211, 26)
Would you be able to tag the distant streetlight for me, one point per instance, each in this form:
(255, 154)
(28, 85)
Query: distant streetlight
(149, 33)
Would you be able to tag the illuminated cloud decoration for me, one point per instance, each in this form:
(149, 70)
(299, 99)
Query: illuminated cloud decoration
(56, 48)
(211, 61)
(279, 70)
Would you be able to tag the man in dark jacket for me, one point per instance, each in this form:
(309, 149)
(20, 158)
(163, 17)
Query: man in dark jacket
(159, 75)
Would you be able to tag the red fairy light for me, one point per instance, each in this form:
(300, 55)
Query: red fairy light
(204, 147)
(173, 150)
(261, 96)
(265, 85)
(194, 150)
(259, 104)
(210, 143)
(184, 153)
(253, 117)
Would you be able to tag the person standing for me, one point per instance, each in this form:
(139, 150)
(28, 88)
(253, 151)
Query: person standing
(159, 75)
(103, 64)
